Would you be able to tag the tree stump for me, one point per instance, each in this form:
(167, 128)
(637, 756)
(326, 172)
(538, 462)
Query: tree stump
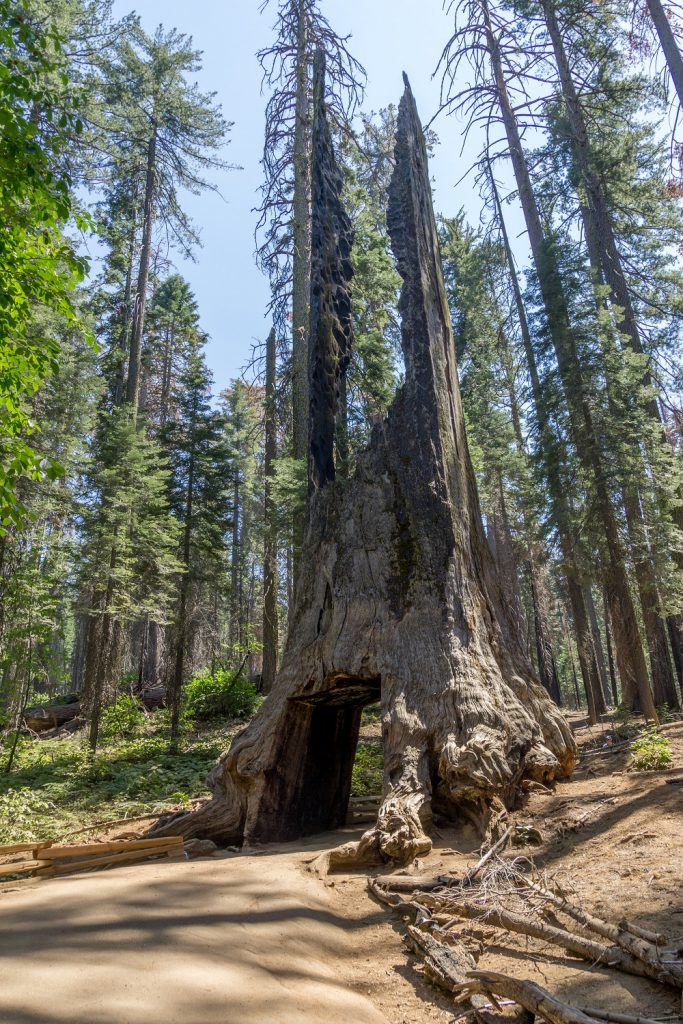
(398, 600)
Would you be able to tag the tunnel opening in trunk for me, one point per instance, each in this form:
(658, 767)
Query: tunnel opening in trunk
(330, 726)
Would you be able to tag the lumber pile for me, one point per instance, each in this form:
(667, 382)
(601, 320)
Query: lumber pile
(501, 896)
(47, 859)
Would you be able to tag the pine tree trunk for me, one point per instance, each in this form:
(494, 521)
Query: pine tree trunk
(235, 561)
(301, 251)
(673, 624)
(398, 599)
(610, 656)
(606, 260)
(176, 688)
(119, 385)
(502, 545)
(560, 509)
(135, 357)
(270, 587)
(669, 45)
(544, 646)
(599, 652)
(632, 666)
(663, 685)
(572, 663)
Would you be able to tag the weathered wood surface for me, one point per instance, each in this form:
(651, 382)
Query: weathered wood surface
(51, 859)
(397, 600)
(50, 716)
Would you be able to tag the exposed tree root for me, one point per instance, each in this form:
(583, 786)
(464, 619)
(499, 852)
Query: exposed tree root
(430, 913)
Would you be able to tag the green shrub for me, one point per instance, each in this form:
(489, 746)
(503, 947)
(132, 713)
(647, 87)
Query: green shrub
(221, 694)
(125, 718)
(22, 813)
(368, 769)
(651, 751)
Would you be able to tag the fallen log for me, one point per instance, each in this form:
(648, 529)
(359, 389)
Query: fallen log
(50, 716)
(448, 967)
(406, 883)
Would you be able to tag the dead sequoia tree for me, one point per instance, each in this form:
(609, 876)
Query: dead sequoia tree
(398, 599)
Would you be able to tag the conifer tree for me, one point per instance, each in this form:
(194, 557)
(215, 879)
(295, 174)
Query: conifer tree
(195, 441)
(633, 669)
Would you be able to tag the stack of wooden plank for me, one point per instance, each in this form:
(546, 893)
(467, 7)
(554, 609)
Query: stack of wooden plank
(49, 859)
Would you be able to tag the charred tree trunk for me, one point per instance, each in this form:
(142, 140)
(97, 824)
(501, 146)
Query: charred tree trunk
(270, 616)
(397, 597)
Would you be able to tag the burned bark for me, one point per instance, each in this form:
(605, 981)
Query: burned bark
(397, 598)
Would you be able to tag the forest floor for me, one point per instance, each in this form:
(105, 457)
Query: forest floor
(254, 938)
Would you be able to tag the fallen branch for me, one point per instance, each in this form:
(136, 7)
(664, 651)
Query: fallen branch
(473, 872)
(528, 994)
(582, 946)
(635, 945)
(617, 1018)
(656, 938)
(407, 883)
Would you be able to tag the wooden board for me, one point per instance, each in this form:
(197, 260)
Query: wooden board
(22, 865)
(22, 847)
(115, 846)
(49, 868)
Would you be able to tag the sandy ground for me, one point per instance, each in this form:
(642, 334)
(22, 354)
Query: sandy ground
(254, 938)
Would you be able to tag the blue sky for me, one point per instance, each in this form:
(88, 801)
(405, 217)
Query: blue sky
(388, 37)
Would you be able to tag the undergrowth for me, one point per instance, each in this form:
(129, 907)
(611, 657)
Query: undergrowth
(56, 787)
(368, 768)
(651, 751)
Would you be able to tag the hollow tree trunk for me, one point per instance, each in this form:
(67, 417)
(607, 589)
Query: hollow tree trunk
(397, 596)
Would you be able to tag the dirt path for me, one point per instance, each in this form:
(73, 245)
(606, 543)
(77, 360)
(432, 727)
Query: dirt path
(236, 940)
(256, 939)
